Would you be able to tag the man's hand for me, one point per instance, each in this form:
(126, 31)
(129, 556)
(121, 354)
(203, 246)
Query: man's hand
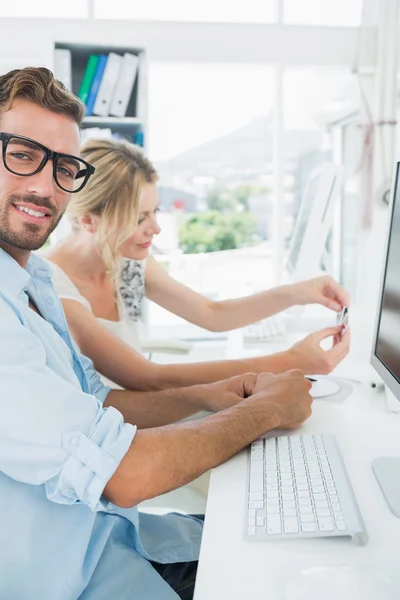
(284, 398)
(224, 394)
(311, 358)
(321, 290)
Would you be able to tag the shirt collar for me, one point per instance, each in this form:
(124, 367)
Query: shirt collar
(15, 278)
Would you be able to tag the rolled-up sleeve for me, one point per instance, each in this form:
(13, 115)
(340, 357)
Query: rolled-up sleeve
(51, 432)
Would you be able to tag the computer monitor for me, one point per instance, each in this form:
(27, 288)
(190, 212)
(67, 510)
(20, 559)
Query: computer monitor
(385, 357)
(314, 222)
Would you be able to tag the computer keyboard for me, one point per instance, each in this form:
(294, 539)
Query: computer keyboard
(297, 487)
(265, 330)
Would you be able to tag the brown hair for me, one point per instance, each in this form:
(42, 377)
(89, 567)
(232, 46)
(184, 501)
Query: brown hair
(39, 85)
(112, 193)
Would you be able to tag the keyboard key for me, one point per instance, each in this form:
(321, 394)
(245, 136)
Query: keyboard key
(272, 494)
(308, 527)
(341, 526)
(272, 487)
(287, 496)
(257, 453)
(274, 524)
(251, 522)
(301, 479)
(323, 512)
(273, 510)
(251, 531)
(306, 510)
(326, 524)
(307, 519)
(260, 521)
(303, 495)
(254, 505)
(289, 512)
(256, 476)
(302, 487)
(319, 497)
(253, 497)
(251, 514)
(291, 525)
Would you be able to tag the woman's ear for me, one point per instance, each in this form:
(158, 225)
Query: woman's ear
(89, 223)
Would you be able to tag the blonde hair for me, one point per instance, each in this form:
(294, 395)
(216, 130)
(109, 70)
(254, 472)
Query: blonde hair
(112, 193)
(39, 85)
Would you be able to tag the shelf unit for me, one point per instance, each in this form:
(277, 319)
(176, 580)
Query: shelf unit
(135, 120)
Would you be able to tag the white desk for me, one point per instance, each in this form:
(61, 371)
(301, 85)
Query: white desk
(231, 568)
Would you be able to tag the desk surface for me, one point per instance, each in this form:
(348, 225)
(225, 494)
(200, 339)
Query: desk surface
(231, 568)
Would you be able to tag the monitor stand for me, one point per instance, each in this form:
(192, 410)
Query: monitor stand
(387, 473)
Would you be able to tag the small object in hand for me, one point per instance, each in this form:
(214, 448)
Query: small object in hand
(342, 318)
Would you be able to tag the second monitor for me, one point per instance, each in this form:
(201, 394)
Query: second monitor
(314, 222)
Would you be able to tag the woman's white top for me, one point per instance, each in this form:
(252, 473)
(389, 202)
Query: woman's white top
(129, 297)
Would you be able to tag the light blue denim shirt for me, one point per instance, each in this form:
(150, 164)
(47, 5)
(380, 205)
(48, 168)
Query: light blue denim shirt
(59, 539)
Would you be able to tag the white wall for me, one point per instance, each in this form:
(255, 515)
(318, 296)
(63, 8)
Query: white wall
(33, 40)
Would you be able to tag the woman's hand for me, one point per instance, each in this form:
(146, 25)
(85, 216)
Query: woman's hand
(321, 290)
(308, 355)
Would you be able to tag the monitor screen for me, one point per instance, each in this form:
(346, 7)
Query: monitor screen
(387, 347)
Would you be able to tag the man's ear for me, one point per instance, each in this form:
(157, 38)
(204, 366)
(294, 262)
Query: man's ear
(89, 223)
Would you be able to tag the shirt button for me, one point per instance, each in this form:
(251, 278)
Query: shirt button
(74, 441)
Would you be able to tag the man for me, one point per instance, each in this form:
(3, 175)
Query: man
(76, 458)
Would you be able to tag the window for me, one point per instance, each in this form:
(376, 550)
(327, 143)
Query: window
(210, 136)
(323, 12)
(310, 95)
(214, 11)
(45, 8)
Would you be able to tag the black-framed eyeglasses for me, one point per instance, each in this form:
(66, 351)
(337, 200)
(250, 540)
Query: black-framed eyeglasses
(23, 156)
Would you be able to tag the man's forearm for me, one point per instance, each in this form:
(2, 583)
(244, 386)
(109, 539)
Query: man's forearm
(166, 458)
(206, 372)
(155, 409)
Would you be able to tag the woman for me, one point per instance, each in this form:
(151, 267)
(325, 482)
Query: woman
(102, 270)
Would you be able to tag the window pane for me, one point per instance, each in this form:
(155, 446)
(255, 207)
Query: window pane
(222, 11)
(211, 139)
(310, 95)
(323, 12)
(351, 210)
(45, 8)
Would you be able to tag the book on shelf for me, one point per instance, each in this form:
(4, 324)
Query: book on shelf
(107, 85)
(89, 133)
(124, 86)
(87, 78)
(62, 67)
(94, 88)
